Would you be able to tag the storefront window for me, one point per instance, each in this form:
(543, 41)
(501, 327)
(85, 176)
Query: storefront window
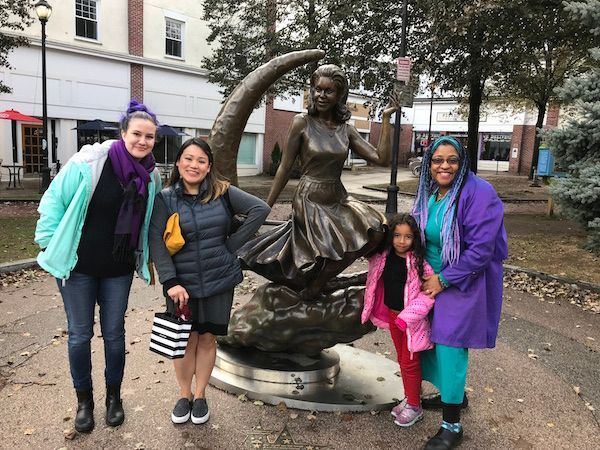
(496, 147)
(247, 151)
(421, 143)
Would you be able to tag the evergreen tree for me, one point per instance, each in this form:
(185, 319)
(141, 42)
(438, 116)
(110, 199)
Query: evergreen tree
(576, 145)
(14, 16)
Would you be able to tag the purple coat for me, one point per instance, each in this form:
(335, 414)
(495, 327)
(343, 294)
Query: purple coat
(467, 314)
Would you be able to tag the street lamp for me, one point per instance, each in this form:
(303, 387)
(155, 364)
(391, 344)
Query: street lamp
(391, 206)
(43, 11)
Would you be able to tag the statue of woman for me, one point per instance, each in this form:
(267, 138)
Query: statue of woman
(329, 229)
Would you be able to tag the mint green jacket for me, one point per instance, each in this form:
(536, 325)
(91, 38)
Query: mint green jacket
(64, 206)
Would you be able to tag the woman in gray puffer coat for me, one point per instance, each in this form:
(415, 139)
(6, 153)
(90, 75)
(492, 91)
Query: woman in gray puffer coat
(203, 274)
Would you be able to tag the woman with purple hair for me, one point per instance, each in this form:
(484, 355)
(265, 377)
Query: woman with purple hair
(462, 221)
(93, 232)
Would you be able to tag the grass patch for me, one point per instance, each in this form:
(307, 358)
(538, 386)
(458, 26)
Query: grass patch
(507, 186)
(552, 245)
(16, 240)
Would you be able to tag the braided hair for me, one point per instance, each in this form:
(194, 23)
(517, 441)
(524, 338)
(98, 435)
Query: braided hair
(449, 232)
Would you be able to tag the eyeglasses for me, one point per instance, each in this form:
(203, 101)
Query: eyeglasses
(452, 161)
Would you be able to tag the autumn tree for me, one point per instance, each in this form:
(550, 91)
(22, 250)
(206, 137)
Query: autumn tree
(462, 45)
(362, 37)
(14, 16)
(554, 46)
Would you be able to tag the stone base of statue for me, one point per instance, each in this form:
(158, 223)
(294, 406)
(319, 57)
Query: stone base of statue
(282, 348)
(342, 378)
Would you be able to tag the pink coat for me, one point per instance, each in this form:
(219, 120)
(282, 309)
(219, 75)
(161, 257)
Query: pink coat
(416, 303)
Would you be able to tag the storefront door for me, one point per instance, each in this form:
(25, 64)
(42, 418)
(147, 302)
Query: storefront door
(32, 148)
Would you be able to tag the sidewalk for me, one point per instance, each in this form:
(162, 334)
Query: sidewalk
(521, 394)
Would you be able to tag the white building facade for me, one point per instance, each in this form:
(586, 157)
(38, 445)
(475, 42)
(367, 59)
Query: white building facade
(102, 53)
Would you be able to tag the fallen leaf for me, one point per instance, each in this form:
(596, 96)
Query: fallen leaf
(577, 389)
(380, 379)
(293, 415)
(373, 412)
(490, 400)
(520, 400)
(258, 402)
(488, 389)
(70, 434)
(312, 415)
(216, 426)
(550, 425)
(24, 354)
(242, 398)
(28, 431)
(281, 406)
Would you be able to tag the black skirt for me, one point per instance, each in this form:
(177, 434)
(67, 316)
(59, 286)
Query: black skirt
(209, 314)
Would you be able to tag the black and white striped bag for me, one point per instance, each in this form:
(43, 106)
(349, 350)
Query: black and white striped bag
(169, 335)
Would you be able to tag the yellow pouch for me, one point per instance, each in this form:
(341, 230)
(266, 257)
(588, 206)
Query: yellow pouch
(172, 235)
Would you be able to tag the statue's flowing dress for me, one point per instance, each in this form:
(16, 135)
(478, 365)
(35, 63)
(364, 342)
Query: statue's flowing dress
(327, 223)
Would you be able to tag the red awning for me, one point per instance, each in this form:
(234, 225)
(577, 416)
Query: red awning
(11, 114)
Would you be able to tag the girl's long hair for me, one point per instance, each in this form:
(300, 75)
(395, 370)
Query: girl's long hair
(216, 185)
(449, 232)
(417, 249)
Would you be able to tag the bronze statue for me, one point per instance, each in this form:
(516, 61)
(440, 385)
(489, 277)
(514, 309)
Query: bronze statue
(309, 306)
(329, 229)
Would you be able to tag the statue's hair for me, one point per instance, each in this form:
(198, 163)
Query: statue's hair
(449, 232)
(341, 113)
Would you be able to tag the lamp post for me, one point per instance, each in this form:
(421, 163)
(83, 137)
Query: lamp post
(43, 11)
(391, 206)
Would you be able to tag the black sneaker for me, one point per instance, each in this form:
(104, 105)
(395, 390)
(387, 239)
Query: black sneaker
(200, 412)
(181, 412)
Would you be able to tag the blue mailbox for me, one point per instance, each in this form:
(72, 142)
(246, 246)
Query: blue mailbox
(545, 166)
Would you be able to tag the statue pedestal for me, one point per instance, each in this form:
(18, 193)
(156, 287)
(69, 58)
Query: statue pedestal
(342, 378)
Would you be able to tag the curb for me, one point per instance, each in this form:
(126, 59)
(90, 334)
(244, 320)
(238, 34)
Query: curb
(548, 277)
(13, 266)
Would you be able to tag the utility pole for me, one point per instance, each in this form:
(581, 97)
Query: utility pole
(391, 206)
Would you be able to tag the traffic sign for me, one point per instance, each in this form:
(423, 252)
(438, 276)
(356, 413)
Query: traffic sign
(403, 65)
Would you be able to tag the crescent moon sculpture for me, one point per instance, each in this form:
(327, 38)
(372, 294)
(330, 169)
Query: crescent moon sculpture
(226, 132)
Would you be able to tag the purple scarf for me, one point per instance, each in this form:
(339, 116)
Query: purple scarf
(134, 176)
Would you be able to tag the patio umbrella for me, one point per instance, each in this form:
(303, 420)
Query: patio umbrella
(96, 125)
(14, 116)
(166, 130)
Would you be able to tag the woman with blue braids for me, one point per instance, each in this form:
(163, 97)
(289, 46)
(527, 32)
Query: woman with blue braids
(462, 221)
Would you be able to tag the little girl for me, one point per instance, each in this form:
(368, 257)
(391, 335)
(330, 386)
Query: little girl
(394, 300)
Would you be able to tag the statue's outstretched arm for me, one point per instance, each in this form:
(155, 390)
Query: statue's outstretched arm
(288, 156)
(380, 155)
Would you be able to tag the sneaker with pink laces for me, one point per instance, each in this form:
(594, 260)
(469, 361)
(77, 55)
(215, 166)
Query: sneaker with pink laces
(409, 415)
(398, 408)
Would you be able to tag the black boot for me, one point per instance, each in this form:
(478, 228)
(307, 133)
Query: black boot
(444, 440)
(84, 420)
(114, 406)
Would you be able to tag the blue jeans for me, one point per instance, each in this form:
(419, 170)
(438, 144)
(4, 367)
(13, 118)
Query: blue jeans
(80, 294)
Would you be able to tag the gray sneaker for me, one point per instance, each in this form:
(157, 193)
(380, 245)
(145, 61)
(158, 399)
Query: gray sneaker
(181, 412)
(200, 412)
